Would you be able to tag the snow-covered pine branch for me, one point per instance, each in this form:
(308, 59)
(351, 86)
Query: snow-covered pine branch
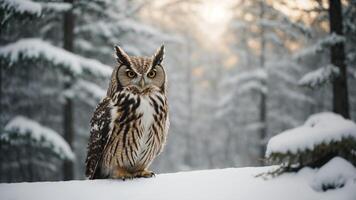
(320, 76)
(56, 6)
(33, 48)
(257, 74)
(311, 144)
(86, 91)
(252, 85)
(20, 7)
(21, 130)
(320, 46)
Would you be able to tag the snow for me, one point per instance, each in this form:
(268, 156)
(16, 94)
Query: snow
(319, 128)
(33, 48)
(320, 45)
(86, 91)
(233, 183)
(22, 6)
(47, 137)
(257, 74)
(56, 6)
(92, 88)
(253, 86)
(336, 173)
(320, 76)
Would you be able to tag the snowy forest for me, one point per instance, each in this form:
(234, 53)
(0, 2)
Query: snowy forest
(240, 72)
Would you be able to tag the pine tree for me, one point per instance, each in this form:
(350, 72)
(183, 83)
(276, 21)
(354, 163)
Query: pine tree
(31, 148)
(26, 58)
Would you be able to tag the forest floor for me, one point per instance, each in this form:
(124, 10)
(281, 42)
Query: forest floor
(224, 184)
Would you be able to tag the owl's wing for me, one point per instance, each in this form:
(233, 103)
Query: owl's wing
(99, 134)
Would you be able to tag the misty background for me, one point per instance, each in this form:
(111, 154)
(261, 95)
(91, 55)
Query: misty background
(236, 75)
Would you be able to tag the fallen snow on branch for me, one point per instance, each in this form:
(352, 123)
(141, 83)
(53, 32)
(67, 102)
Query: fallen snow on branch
(257, 74)
(253, 86)
(86, 91)
(239, 183)
(33, 48)
(321, 45)
(21, 7)
(22, 126)
(320, 76)
(319, 128)
(56, 6)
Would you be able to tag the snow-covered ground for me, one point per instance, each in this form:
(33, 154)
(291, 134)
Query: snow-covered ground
(221, 184)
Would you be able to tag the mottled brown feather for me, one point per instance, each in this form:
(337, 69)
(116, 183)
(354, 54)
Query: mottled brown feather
(99, 134)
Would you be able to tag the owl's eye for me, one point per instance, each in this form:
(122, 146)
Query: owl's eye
(131, 74)
(151, 74)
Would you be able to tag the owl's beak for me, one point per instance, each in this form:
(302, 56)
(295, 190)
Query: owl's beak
(142, 83)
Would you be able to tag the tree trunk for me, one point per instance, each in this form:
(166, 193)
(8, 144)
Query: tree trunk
(68, 38)
(340, 92)
(263, 110)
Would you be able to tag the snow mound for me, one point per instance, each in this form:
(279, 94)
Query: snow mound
(33, 48)
(320, 76)
(21, 7)
(46, 137)
(319, 128)
(335, 174)
(226, 184)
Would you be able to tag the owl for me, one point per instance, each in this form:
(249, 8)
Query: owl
(129, 126)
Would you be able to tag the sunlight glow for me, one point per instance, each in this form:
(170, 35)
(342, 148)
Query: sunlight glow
(293, 9)
(215, 16)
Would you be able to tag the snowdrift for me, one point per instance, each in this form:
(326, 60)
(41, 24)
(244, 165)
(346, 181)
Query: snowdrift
(222, 184)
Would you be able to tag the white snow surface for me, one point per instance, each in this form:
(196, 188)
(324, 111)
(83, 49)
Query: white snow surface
(337, 172)
(22, 6)
(319, 76)
(224, 184)
(36, 48)
(46, 136)
(319, 128)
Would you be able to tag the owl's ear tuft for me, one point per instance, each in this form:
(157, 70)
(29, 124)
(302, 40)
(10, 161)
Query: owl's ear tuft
(158, 57)
(121, 56)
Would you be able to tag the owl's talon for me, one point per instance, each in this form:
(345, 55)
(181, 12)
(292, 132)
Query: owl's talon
(144, 174)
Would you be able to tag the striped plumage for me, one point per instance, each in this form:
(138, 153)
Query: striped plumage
(130, 125)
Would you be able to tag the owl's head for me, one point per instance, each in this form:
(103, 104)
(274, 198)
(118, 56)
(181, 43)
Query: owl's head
(138, 74)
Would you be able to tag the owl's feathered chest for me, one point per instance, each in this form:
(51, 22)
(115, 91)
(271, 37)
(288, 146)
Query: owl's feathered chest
(138, 129)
